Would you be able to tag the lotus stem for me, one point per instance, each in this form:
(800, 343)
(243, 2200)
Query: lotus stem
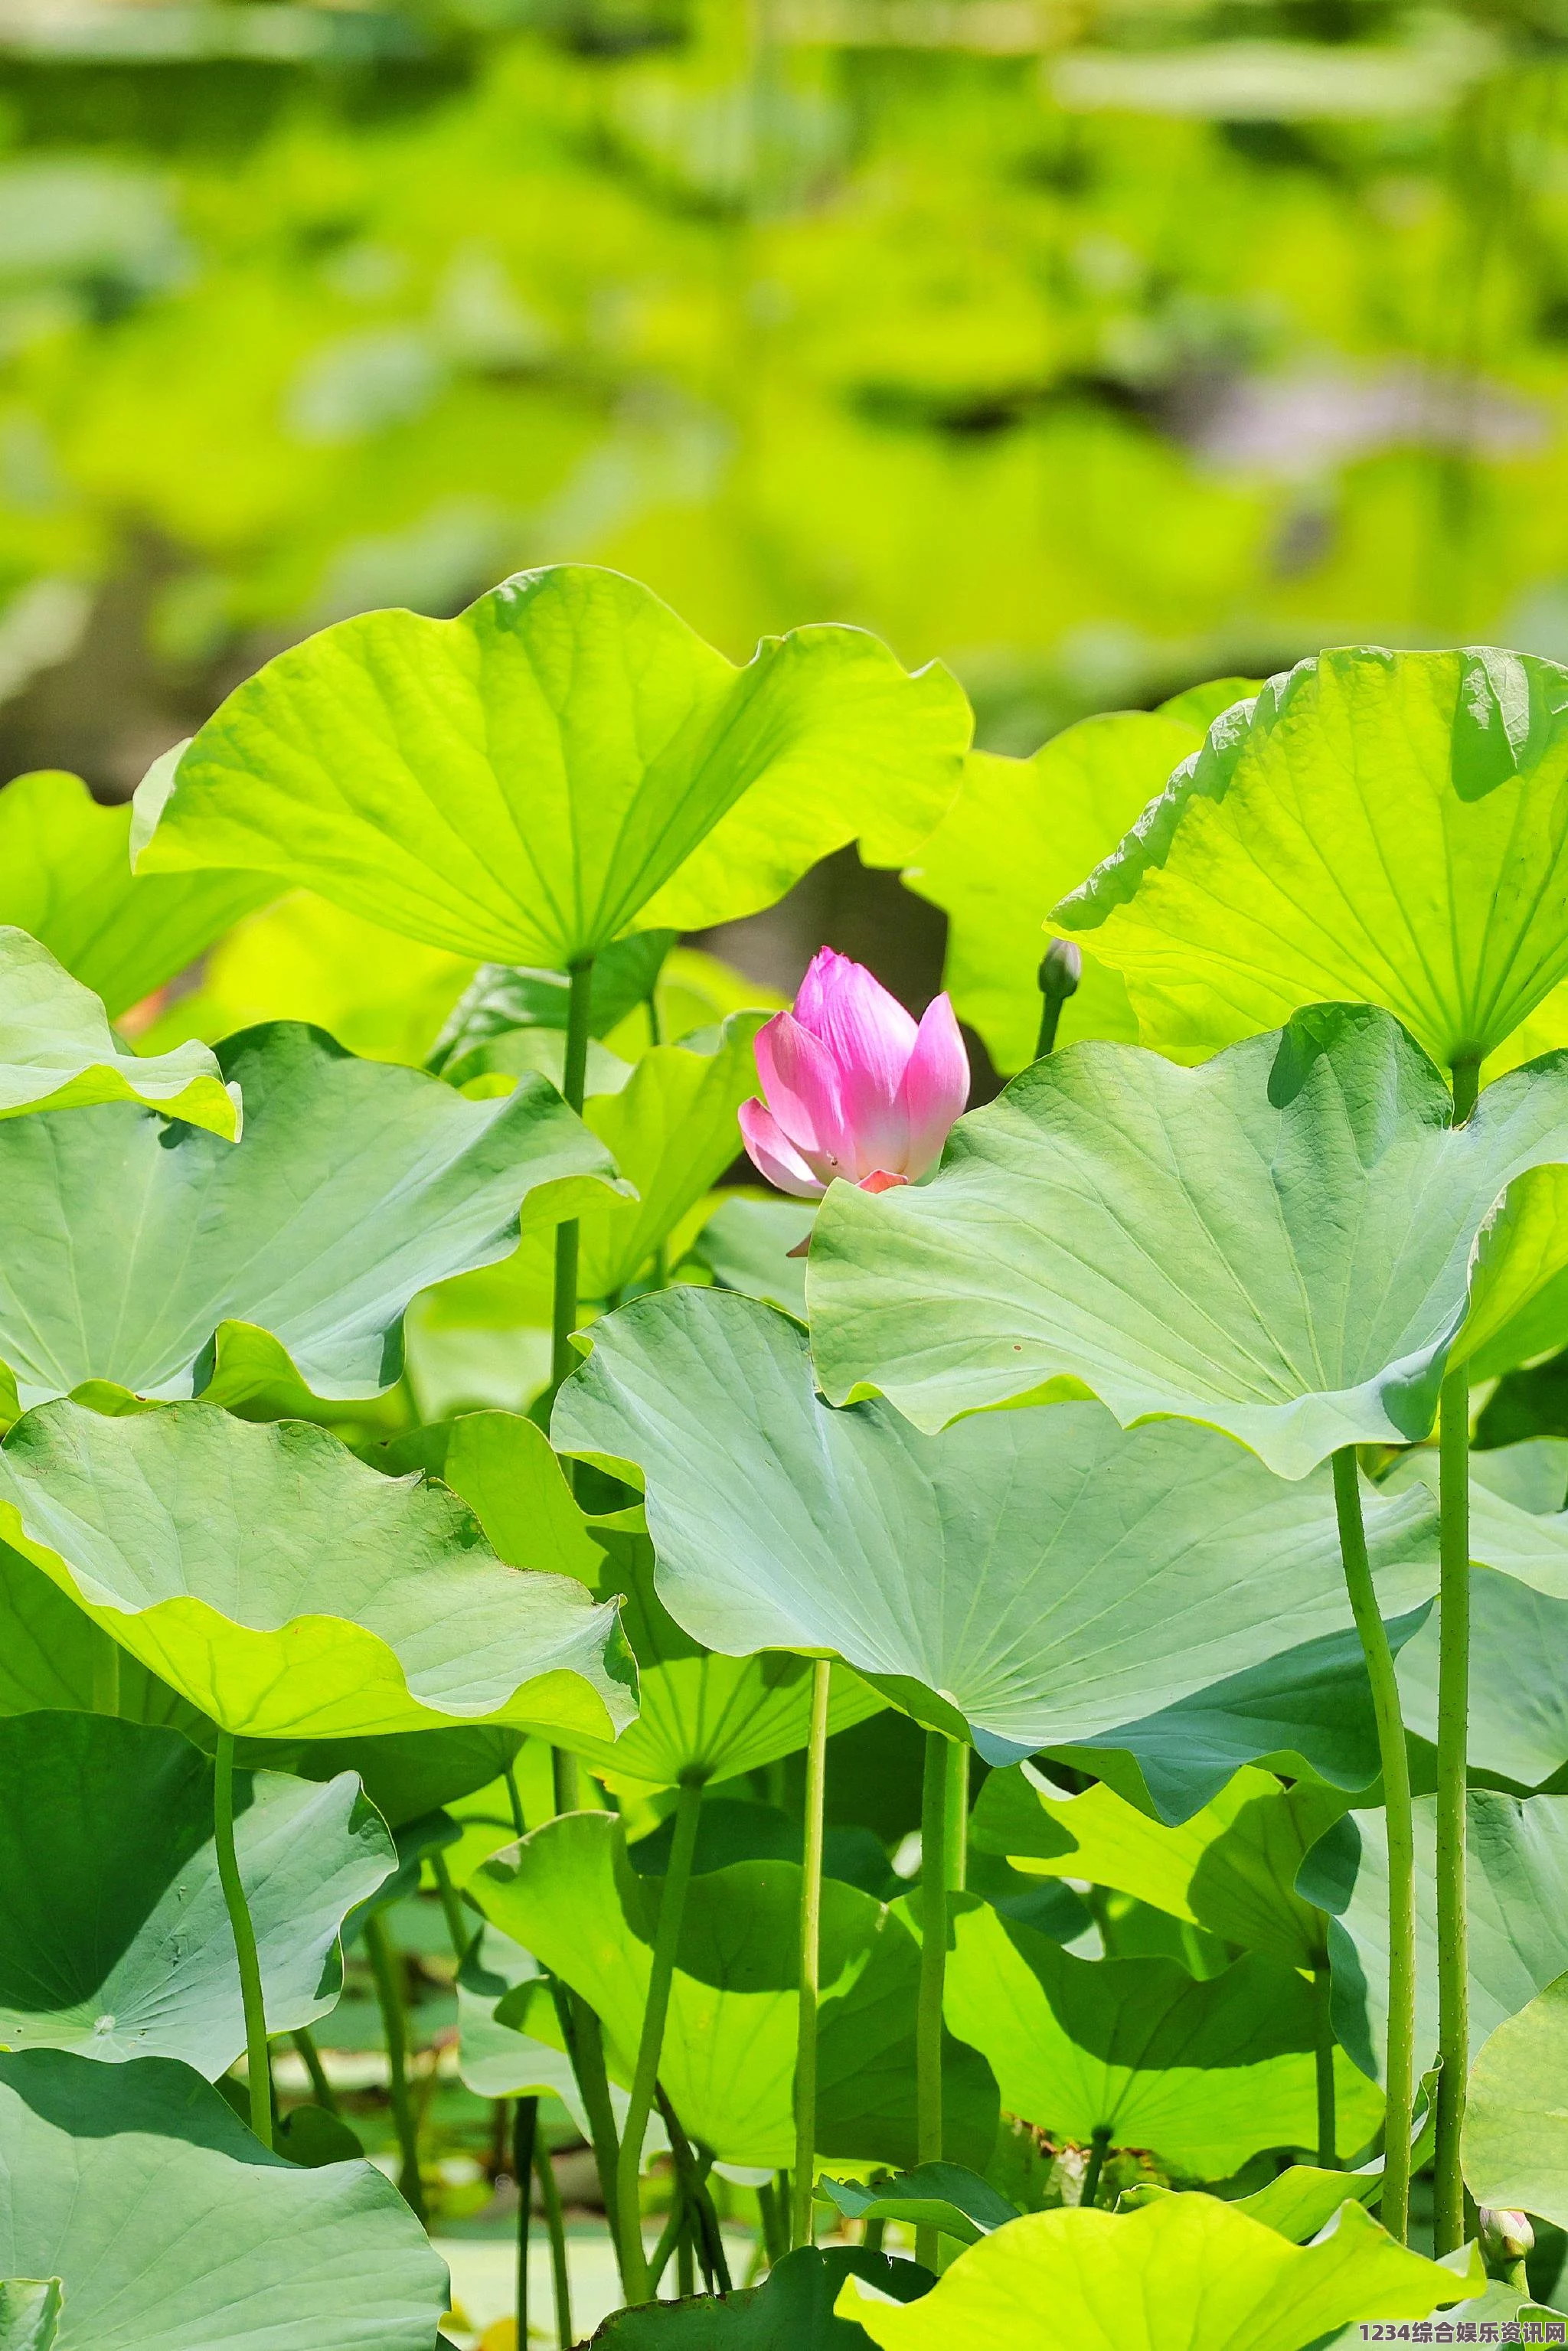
(771, 2212)
(457, 1928)
(933, 1967)
(956, 1852)
(1400, 2063)
(573, 1086)
(304, 2042)
(686, 2261)
(1060, 973)
(525, 2136)
(555, 2223)
(566, 1781)
(803, 2200)
(1453, 1743)
(1323, 2051)
(584, 2038)
(693, 2175)
(384, 1963)
(258, 2071)
(650, 2046)
(1099, 2148)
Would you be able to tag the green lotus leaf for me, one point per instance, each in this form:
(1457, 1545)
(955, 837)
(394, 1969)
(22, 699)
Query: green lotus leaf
(1278, 1242)
(568, 1895)
(173, 2230)
(1386, 828)
(58, 1052)
(933, 2195)
(1516, 2115)
(287, 1591)
(669, 1128)
(1517, 1523)
(356, 1185)
(791, 2310)
(65, 876)
(1519, 1291)
(505, 1471)
(114, 1937)
(30, 2314)
(563, 761)
(1307, 1712)
(1021, 834)
(1204, 2072)
(749, 1245)
(1519, 1679)
(407, 1774)
(501, 998)
(1186, 2273)
(1517, 1882)
(1230, 1869)
(306, 959)
(1036, 1575)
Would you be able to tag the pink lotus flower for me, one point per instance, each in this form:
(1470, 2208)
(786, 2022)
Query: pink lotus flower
(854, 1088)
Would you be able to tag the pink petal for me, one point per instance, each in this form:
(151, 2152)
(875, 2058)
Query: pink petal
(802, 1083)
(880, 1181)
(935, 1085)
(771, 1152)
(871, 1036)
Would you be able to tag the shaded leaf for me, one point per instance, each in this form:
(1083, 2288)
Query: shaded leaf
(933, 2195)
(1036, 1575)
(57, 1051)
(1516, 2115)
(792, 2309)
(230, 2243)
(504, 996)
(749, 1244)
(1278, 1242)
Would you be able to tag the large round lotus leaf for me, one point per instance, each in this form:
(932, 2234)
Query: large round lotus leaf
(288, 1591)
(1517, 1882)
(1039, 1575)
(1516, 2115)
(566, 758)
(568, 1895)
(1186, 2273)
(1309, 1710)
(114, 1938)
(671, 1131)
(1019, 835)
(1278, 1242)
(58, 1051)
(1230, 1869)
(1386, 828)
(65, 876)
(173, 2230)
(1205, 2074)
(134, 1242)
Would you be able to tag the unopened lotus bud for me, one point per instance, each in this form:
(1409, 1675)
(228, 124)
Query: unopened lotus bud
(1060, 970)
(1505, 2237)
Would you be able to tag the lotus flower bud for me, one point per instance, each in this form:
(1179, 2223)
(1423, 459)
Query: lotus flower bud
(1061, 968)
(855, 1088)
(1505, 2237)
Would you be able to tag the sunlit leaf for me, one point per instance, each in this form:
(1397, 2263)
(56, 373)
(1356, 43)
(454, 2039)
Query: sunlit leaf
(1185, 2274)
(570, 1896)
(227, 2244)
(563, 761)
(1516, 2115)
(114, 1937)
(65, 876)
(1036, 1575)
(1204, 2072)
(30, 2314)
(355, 1185)
(1231, 1868)
(285, 1590)
(57, 1051)
(1386, 828)
(1278, 1242)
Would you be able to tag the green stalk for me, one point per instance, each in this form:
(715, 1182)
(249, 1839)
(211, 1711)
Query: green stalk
(584, 2038)
(524, 2136)
(566, 1780)
(1099, 2147)
(573, 1083)
(257, 2069)
(803, 2200)
(384, 1964)
(515, 1802)
(650, 2046)
(956, 1852)
(459, 1932)
(304, 2042)
(692, 2176)
(685, 2262)
(1323, 2051)
(771, 2212)
(932, 1968)
(1453, 1719)
(1400, 2070)
(555, 2223)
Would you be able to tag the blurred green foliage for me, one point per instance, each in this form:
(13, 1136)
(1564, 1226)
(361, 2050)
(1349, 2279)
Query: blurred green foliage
(1096, 344)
